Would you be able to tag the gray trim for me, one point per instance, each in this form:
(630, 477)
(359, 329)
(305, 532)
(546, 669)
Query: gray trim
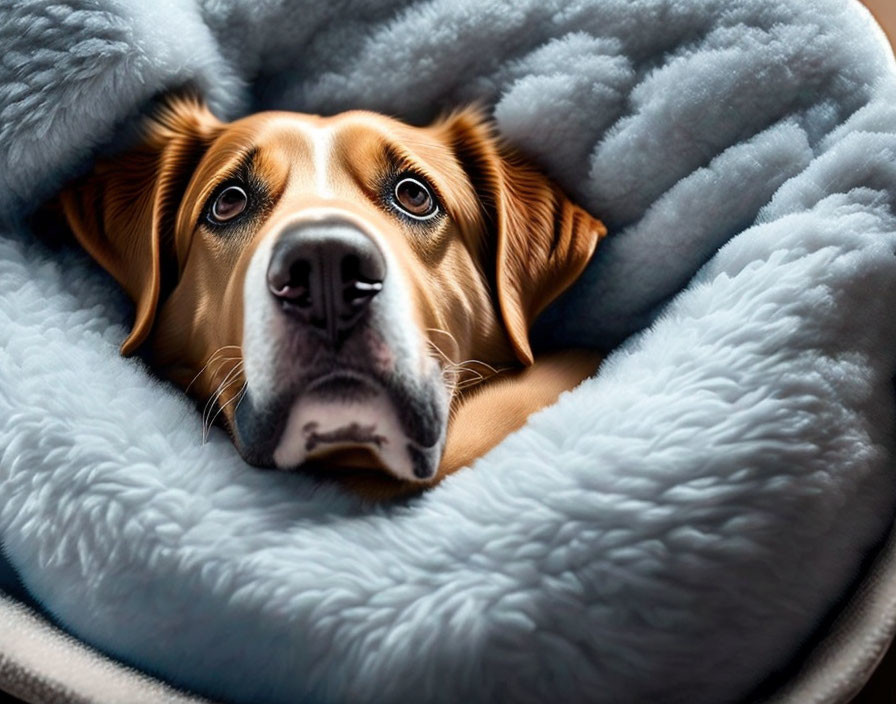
(846, 655)
(41, 664)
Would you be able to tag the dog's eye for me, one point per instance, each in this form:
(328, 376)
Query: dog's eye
(415, 199)
(230, 203)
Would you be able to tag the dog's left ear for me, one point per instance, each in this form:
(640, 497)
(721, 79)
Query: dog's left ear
(123, 212)
(543, 240)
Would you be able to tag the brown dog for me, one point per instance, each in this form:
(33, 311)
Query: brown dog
(339, 287)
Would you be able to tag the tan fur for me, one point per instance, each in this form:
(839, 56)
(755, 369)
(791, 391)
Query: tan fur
(512, 242)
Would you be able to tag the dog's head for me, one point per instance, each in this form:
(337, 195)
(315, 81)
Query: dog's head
(323, 283)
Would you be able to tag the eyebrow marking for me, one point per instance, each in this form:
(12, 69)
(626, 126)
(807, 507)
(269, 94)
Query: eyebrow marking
(240, 163)
(244, 163)
(397, 161)
(249, 157)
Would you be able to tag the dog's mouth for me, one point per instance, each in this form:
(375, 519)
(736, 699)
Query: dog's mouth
(347, 419)
(343, 411)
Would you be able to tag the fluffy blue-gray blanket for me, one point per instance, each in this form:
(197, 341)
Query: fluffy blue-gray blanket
(672, 530)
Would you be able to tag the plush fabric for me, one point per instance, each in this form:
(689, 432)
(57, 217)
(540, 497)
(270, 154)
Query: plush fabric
(41, 664)
(672, 530)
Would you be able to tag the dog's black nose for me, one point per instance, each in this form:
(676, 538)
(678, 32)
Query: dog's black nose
(325, 274)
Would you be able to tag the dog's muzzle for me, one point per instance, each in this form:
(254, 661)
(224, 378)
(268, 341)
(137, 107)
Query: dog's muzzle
(333, 357)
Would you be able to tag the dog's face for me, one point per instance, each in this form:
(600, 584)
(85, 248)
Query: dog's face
(321, 284)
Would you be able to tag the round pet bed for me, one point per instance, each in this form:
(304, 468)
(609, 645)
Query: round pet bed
(672, 530)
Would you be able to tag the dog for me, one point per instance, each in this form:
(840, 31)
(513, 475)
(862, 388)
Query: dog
(343, 292)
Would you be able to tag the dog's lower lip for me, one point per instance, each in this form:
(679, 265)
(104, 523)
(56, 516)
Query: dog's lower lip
(343, 381)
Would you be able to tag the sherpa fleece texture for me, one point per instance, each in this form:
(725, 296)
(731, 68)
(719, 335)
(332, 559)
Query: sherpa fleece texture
(672, 530)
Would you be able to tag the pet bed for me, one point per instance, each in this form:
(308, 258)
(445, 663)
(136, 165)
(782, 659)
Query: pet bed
(675, 529)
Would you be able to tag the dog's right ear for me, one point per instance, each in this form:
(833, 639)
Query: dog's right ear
(123, 212)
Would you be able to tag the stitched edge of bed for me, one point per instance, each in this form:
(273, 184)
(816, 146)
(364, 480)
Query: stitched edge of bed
(41, 664)
(845, 654)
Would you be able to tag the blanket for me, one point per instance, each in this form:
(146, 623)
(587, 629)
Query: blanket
(672, 530)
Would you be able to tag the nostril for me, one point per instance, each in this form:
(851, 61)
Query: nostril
(351, 267)
(292, 284)
(357, 289)
(300, 273)
(358, 293)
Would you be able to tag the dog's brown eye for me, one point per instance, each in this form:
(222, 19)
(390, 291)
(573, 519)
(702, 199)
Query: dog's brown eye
(230, 202)
(414, 198)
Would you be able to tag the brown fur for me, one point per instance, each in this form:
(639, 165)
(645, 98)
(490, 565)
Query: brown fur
(512, 242)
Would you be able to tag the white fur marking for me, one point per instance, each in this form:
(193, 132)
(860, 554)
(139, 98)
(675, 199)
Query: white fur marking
(321, 145)
(331, 416)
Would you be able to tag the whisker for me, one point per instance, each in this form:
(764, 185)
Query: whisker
(222, 361)
(238, 395)
(223, 386)
(478, 361)
(468, 383)
(459, 376)
(438, 349)
(209, 362)
(464, 364)
(210, 420)
(444, 332)
(471, 372)
(243, 394)
(226, 383)
(217, 390)
(449, 374)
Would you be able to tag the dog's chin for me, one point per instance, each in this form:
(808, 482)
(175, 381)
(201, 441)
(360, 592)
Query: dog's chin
(347, 420)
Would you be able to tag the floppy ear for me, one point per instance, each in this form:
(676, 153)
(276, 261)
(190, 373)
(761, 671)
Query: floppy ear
(123, 212)
(543, 240)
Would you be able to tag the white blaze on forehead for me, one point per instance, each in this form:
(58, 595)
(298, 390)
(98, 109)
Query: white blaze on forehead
(321, 141)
